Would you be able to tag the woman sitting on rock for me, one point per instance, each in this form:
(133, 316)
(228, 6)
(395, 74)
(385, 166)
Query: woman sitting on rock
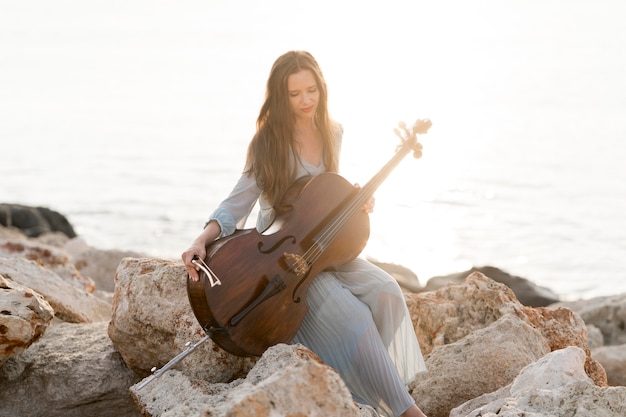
(357, 321)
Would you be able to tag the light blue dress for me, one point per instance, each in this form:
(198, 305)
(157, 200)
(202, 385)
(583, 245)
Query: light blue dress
(358, 321)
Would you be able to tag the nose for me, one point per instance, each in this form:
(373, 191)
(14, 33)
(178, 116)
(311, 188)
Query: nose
(306, 98)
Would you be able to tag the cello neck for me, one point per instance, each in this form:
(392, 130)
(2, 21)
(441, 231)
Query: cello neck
(408, 143)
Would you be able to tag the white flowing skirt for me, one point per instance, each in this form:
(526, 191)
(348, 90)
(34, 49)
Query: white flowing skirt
(358, 323)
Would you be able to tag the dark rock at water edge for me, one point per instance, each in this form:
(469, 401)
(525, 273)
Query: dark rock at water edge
(526, 292)
(34, 221)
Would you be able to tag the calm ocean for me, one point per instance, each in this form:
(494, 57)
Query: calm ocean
(132, 118)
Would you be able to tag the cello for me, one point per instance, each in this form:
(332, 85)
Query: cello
(252, 289)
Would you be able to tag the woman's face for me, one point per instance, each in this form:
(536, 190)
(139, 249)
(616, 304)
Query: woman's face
(303, 94)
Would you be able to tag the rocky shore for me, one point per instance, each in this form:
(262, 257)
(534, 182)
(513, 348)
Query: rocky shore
(80, 329)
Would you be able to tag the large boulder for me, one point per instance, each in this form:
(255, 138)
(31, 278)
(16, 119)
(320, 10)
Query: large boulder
(35, 221)
(99, 265)
(51, 257)
(481, 362)
(454, 311)
(11, 233)
(288, 380)
(72, 371)
(555, 385)
(613, 360)
(70, 303)
(24, 317)
(607, 313)
(152, 321)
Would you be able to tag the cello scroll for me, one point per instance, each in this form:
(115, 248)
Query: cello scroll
(408, 136)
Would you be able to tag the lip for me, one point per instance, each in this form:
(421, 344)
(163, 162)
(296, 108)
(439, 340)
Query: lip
(307, 109)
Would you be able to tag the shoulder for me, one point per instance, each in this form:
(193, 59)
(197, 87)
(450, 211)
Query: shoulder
(337, 130)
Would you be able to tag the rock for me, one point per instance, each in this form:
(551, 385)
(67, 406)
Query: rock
(594, 336)
(69, 303)
(72, 371)
(562, 328)
(525, 291)
(11, 233)
(613, 360)
(606, 313)
(152, 321)
(24, 317)
(56, 239)
(288, 380)
(452, 312)
(481, 362)
(53, 258)
(100, 265)
(34, 221)
(406, 278)
(556, 385)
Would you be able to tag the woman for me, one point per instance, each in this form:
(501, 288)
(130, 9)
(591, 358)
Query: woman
(358, 321)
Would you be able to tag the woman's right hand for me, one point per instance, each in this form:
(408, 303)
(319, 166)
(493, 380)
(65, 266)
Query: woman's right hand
(188, 255)
(198, 248)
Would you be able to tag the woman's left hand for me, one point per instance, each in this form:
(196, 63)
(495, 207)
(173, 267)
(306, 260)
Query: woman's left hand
(368, 206)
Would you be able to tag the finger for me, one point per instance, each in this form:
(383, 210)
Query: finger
(193, 274)
(187, 257)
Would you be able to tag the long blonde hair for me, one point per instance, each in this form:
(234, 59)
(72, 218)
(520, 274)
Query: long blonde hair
(269, 153)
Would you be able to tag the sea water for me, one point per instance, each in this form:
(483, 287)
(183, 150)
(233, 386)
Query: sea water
(132, 118)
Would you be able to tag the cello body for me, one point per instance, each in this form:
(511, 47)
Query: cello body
(265, 276)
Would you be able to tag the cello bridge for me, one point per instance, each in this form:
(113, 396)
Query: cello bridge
(297, 264)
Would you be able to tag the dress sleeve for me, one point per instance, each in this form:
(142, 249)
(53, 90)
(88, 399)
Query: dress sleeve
(234, 210)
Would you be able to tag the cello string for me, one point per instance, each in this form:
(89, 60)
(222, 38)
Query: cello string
(333, 229)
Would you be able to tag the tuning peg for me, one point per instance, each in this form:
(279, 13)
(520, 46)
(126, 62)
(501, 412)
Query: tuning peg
(406, 131)
(417, 150)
